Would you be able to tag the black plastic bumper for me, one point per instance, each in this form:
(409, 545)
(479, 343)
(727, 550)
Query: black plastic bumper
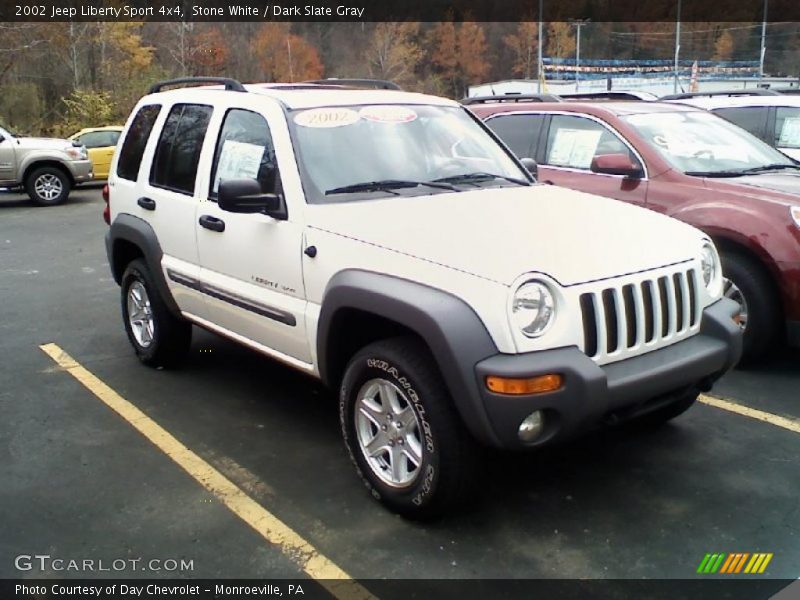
(592, 393)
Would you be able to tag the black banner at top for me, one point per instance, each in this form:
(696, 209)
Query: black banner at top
(751, 11)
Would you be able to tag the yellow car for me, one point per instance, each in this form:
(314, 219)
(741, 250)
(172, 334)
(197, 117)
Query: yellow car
(100, 143)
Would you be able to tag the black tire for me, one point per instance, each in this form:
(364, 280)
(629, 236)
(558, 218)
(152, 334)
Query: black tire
(55, 175)
(662, 415)
(449, 455)
(171, 335)
(763, 306)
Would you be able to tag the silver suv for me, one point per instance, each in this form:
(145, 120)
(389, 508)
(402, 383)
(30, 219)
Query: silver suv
(48, 168)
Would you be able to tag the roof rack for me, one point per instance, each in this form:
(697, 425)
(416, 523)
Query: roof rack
(609, 95)
(378, 84)
(728, 93)
(511, 98)
(230, 84)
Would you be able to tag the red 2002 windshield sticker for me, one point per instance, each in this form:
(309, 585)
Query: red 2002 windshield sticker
(388, 114)
(326, 117)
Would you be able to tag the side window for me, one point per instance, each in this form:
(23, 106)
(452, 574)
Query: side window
(178, 150)
(96, 139)
(130, 156)
(244, 150)
(519, 132)
(787, 127)
(751, 118)
(574, 141)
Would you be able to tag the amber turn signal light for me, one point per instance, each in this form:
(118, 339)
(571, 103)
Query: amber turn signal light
(531, 385)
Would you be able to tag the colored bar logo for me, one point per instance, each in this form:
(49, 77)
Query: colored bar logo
(734, 563)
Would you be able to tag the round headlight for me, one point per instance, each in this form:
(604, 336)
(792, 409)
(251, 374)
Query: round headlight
(533, 308)
(710, 264)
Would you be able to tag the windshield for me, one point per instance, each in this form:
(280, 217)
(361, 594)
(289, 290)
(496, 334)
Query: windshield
(361, 152)
(699, 143)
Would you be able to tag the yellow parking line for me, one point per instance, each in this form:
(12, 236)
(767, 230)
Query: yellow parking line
(753, 413)
(334, 579)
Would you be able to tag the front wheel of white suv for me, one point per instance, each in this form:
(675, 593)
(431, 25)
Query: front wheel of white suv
(159, 338)
(402, 431)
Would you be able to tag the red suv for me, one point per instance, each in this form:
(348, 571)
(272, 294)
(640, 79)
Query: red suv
(691, 165)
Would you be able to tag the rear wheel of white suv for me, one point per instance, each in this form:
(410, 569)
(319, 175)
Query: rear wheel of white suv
(47, 186)
(402, 431)
(159, 338)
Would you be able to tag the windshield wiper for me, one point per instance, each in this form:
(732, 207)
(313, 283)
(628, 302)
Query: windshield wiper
(478, 176)
(387, 185)
(773, 167)
(740, 172)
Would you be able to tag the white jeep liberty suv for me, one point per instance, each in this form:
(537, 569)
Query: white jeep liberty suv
(388, 244)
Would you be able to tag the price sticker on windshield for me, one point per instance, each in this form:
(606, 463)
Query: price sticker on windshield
(326, 117)
(388, 114)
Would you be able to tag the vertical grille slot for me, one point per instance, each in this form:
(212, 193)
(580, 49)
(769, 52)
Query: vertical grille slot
(662, 296)
(678, 283)
(630, 314)
(692, 298)
(649, 310)
(589, 325)
(610, 314)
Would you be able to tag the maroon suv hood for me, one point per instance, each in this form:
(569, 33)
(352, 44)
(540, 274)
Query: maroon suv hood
(782, 188)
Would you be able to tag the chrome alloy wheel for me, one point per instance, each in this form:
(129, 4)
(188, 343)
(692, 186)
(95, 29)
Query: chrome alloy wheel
(389, 433)
(732, 291)
(48, 186)
(140, 315)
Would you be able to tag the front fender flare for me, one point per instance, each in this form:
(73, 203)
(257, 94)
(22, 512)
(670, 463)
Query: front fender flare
(452, 330)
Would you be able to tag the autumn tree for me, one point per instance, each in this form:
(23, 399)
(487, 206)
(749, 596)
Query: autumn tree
(560, 40)
(723, 47)
(394, 53)
(459, 53)
(209, 52)
(524, 44)
(472, 52)
(284, 56)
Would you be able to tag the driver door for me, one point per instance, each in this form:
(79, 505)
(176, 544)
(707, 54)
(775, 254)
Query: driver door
(8, 158)
(251, 264)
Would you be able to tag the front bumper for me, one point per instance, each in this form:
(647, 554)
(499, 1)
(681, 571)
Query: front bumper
(81, 170)
(593, 393)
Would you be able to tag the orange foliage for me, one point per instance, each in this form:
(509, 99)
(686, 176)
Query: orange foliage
(284, 56)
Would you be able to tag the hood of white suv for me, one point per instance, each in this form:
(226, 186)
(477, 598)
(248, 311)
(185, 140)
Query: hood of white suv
(501, 233)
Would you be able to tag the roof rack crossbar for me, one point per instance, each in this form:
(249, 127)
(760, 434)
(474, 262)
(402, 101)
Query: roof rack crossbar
(230, 84)
(511, 98)
(380, 84)
(729, 93)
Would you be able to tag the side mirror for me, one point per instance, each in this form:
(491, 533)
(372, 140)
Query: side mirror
(616, 164)
(531, 166)
(245, 196)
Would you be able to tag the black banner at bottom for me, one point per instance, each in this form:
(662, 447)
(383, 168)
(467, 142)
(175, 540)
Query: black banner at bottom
(405, 589)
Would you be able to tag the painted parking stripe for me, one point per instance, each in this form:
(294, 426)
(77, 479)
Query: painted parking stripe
(291, 544)
(753, 413)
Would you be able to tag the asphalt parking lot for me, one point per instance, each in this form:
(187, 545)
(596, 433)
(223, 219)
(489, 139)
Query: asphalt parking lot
(80, 481)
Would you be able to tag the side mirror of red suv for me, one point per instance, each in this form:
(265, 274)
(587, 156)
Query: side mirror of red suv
(616, 164)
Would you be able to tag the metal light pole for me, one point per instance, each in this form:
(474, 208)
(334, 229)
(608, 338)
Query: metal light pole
(577, 24)
(763, 42)
(677, 48)
(539, 74)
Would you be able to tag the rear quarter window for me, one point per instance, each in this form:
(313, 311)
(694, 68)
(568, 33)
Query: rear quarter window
(130, 155)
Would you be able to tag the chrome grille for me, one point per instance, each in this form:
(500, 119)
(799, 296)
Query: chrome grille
(650, 312)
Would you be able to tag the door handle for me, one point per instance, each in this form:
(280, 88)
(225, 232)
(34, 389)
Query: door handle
(212, 223)
(146, 203)
(548, 181)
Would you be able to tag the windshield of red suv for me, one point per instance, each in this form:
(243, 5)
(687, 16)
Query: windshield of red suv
(375, 151)
(699, 143)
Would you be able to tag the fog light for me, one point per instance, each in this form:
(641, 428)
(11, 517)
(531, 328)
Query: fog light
(532, 427)
(517, 387)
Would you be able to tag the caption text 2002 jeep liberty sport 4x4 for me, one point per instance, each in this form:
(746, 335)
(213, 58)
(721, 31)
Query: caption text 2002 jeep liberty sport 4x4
(388, 244)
